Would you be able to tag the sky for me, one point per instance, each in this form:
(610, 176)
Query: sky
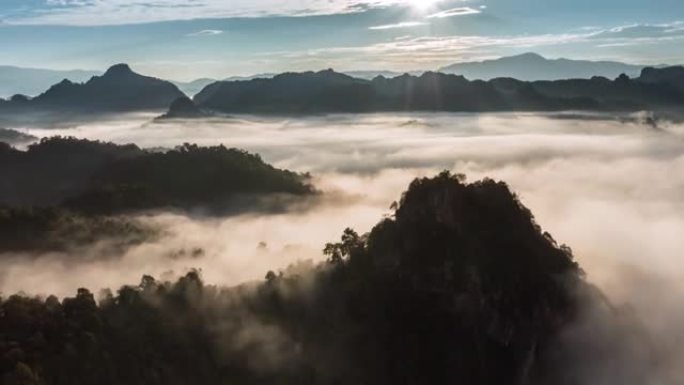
(188, 39)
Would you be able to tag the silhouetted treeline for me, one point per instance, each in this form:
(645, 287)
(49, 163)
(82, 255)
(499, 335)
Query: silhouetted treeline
(328, 91)
(459, 286)
(97, 177)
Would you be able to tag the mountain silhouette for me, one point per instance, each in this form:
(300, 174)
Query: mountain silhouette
(117, 90)
(532, 66)
(329, 91)
(289, 92)
(673, 76)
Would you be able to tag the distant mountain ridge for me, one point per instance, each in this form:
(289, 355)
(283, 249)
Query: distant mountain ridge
(532, 67)
(329, 91)
(193, 87)
(122, 90)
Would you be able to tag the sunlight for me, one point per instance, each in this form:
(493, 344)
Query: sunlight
(423, 5)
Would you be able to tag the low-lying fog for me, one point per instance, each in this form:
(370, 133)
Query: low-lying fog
(609, 188)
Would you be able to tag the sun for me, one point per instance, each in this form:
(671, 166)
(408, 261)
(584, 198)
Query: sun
(422, 5)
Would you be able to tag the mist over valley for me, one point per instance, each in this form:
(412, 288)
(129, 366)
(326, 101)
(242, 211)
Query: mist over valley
(341, 192)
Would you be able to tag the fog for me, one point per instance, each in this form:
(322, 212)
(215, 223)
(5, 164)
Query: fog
(609, 187)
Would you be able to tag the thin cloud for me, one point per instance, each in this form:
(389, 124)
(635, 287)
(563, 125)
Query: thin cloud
(460, 11)
(117, 12)
(406, 24)
(206, 32)
(420, 52)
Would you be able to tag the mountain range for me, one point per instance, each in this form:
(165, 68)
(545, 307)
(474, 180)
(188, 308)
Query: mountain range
(120, 89)
(531, 67)
(193, 87)
(329, 91)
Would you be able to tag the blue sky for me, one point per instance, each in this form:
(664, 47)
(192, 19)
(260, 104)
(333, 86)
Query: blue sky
(217, 38)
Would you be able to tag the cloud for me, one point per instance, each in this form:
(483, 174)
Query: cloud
(206, 32)
(419, 53)
(423, 52)
(113, 12)
(461, 11)
(405, 24)
(639, 34)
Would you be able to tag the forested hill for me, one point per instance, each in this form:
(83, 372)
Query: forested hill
(101, 177)
(458, 286)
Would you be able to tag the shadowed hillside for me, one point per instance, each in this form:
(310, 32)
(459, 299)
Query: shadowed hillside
(104, 177)
(459, 286)
(328, 91)
(58, 194)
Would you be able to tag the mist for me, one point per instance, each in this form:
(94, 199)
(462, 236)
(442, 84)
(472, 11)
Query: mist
(608, 186)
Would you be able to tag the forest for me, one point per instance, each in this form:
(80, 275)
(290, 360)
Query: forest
(459, 285)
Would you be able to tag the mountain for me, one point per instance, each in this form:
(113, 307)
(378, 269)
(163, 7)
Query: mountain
(289, 92)
(531, 66)
(33, 81)
(459, 286)
(369, 75)
(329, 91)
(673, 76)
(117, 90)
(194, 87)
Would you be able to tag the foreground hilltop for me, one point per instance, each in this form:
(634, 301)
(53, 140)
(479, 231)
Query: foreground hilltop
(329, 91)
(458, 286)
